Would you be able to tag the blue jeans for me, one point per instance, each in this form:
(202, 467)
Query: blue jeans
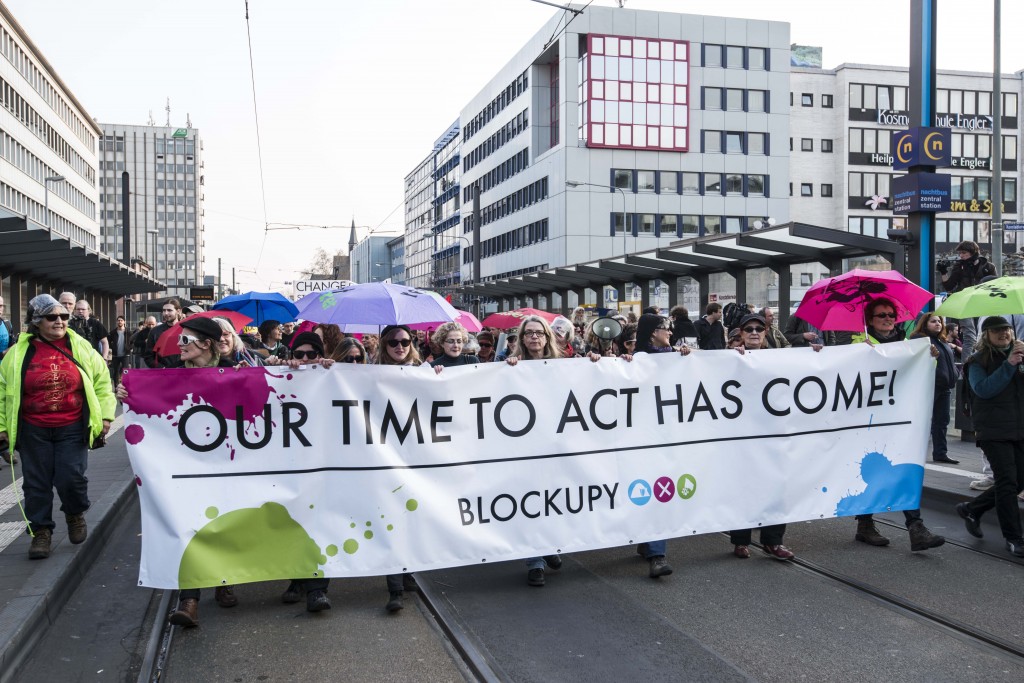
(651, 549)
(53, 457)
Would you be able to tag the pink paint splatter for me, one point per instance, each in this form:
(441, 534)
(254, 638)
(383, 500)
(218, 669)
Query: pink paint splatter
(133, 434)
(138, 480)
(155, 393)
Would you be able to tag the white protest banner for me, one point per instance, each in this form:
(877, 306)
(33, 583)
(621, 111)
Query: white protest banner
(268, 473)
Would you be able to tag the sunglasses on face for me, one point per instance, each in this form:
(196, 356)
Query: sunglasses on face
(352, 359)
(452, 342)
(186, 339)
(752, 329)
(886, 315)
(663, 327)
(302, 355)
(395, 343)
(485, 345)
(53, 317)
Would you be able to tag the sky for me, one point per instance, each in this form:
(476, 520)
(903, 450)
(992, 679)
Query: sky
(350, 95)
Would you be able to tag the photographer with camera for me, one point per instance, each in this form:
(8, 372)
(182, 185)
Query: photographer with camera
(968, 271)
(55, 401)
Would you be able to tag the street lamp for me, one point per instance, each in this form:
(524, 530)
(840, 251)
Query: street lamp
(46, 196)
(578, 183)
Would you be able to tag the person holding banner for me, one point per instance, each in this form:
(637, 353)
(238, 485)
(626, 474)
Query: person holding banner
(55, 403)
(451, 337)
(198, 347)
(231, 346)
(753, 336)
(348, 350)
(880, 328)
(934, 328)
(996, 377)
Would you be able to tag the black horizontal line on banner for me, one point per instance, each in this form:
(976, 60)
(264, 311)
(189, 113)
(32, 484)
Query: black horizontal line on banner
(870, 425)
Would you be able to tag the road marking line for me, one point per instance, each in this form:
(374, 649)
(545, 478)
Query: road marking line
(9, 531)
(953, 470)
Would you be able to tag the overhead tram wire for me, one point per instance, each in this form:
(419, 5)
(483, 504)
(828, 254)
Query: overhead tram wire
(259, 146)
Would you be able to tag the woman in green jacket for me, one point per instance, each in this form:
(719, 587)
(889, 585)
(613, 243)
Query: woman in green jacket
(55, 401)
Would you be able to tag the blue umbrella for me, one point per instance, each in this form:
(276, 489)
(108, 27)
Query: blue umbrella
(260, 306)
(370, 306)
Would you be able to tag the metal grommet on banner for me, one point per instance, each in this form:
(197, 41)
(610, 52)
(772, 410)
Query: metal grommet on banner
(221, 370)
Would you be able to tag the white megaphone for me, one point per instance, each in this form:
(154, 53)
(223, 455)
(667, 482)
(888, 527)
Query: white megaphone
(606, 329)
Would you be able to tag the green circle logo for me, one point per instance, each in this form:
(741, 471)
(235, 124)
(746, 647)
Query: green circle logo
(686, 486)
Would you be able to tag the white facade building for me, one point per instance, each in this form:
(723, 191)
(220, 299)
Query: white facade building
(165, 173)
(45, 132)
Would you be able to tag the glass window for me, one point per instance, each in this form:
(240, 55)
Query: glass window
(1009, 189)
(712, 98)
(755, 185)
(806, 145)
(712, 141)
(712, 183)
(756, 143)
(856, 141)
(970, 103)
(691, 183)
(734, 57)
(690, 224)
(712, 55)
(856, 96)
(646, 223)
(806, 190)
(1009, 104)
(734, 143)
(617, 219)
(755, 100)
(899, 99)
(668, 182)
(985, 103)
(734, 99)
(756, 59)
(942, 101)
(826, 190)
(624, 179)
(826, 145)
(806, 100)
(856, 185)
(1010, 147)
(668, 224)
(733, 224)
(826, 101)
(712, 225)
(645, 181)
(734, 183)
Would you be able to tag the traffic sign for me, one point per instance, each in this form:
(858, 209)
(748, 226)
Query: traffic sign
(1014, 227)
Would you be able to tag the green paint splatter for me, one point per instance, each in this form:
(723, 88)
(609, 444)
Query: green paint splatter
(411, 505)
(369, 524)
(382, 516)
(251, 544)
(352, 525)
(332, 550)
(310, 506)
(350, 546)
(323, 559)
(212, 512)
(398, 489)
(367, 534)
(391, 527)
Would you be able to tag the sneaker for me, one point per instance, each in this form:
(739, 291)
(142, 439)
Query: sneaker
(741, 551)
(395, 603)
(292, 594)
(921, 538)
(1015, 548)
(553, 561)
(983, 484)
(535, 577)
(971, 523)
(779, 552)
(659, 567)
(316, 601)
(77, 529)
(40, 548)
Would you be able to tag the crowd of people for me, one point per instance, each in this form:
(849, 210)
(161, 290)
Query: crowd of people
(59, 387)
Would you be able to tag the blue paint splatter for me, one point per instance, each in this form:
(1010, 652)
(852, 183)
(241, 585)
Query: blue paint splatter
(824, 489)
(889, 487)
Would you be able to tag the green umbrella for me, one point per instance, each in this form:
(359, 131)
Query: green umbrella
(1001, 296)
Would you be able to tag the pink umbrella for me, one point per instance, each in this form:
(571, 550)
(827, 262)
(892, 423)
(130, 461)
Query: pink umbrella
(504, 321)
(837, 303)
(464, 318)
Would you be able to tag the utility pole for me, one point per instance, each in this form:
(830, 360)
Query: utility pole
(997, 146)
(234, 289)
(220, 287)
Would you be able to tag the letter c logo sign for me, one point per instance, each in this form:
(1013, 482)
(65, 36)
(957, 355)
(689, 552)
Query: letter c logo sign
(899, 149)
(929, 145)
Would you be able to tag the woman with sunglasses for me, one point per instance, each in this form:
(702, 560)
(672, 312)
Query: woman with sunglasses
(55, 401)
(625, 343)
(752, 329)
(881, 328)
(308, 349)
(231, 346)
(451, 337)
(348, 350)
(485, 340)
(199, 346)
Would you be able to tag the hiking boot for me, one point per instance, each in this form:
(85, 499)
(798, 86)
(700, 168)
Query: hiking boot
(292, 594)
(187, 614)
(225, 596)
(553, 561)
(659, 567)
(867, 533)
(921, 538)
(395, 603)
(983, 484)
(316, 601)
(77, 529)
(971, 523)
(40, 548)
(535, 577)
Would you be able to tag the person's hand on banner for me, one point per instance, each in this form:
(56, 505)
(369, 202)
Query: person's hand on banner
(512, 360)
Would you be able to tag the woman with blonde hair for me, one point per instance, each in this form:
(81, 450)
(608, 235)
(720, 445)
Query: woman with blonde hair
(450, 338)
(536, 341)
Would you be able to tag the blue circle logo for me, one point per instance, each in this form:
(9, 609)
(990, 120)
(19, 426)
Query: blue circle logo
(639, 492)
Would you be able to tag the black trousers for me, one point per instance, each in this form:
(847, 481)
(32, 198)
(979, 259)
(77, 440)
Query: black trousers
(940, 421)
(53, 457)
(770, 535)
(910, 516)
(1007, 461)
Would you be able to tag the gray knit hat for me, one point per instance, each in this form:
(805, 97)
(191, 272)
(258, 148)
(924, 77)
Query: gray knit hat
(41, 305)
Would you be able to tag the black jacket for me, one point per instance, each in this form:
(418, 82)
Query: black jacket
(967, 273)
(682, 327)
(1000, 418)
(710, 336)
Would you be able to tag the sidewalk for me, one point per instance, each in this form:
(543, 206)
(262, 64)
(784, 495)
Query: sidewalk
(32, 593)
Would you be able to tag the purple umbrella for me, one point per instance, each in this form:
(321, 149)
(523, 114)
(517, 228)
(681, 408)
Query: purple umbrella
(370, 306)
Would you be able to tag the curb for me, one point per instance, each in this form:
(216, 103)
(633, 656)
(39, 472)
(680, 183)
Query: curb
(24, 620)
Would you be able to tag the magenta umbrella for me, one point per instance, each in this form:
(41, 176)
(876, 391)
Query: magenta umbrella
(464, 318)
(837, 303)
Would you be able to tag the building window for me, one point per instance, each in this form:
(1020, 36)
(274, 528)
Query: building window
(806, 190)
(667, 225)
(826, 145)
(806, 100)
(757, 59)
(690, 225)
(691, 183)
(733, 57)
(734, 143)
(712, 183)
(734, 99)
(645, 181)
(623, 178)
(713, 99)
(734, 183)
(757, 143)
(712, 55)
(806, 279)
(646, 223)
(826, 101)
(757, 100)
(712, 225)
(734, 224)
(668, 182)
(712, 141)
(826, 190)
(806, 145)
(755, 185)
